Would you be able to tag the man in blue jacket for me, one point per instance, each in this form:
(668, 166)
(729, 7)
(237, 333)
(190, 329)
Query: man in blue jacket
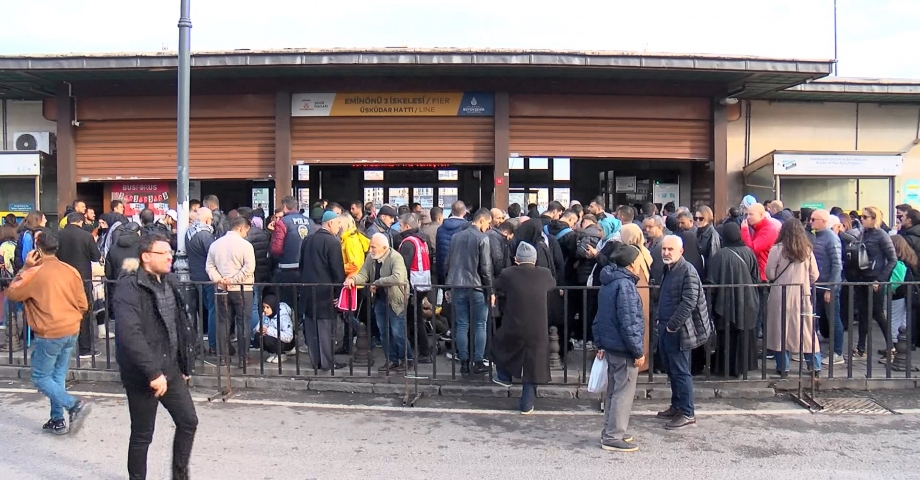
(829, 257)
(619, 330)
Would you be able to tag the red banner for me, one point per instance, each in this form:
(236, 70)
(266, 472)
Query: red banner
(140, 195)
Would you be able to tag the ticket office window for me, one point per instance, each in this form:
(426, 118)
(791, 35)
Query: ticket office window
(403, 187)
(539, 180)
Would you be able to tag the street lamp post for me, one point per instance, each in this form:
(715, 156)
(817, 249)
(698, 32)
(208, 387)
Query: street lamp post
(182, 127)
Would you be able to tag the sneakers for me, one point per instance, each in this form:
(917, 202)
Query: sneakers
(55, 427)
(389, 367)
(838, 360)
(87, 356)
(480, 368)
(272, 359)
(681, 421)
(423, 359)
(527, 411)
(500, 382)
(671, 412)
(78, 414)
(859, 354)
(796, 357)
(619, 446)
(451, 356)
(102, 335)
(577, 344)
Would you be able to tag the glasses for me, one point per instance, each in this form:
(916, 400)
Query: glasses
(162, 253)
(699, 219)
(867, 217)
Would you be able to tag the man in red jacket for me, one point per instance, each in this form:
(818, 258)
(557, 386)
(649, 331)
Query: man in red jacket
(759, 233)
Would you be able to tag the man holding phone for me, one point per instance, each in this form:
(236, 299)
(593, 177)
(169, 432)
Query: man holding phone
(153, 346)
(54, 300)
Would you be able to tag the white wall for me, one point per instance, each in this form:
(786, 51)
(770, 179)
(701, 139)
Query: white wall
(25, 116)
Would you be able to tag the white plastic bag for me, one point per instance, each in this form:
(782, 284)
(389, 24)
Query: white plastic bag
(597, 382)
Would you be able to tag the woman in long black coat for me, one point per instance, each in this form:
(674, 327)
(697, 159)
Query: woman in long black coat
(734, 309)
(520, 347)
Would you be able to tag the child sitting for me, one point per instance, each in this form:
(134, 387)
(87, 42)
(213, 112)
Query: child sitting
(275, 332)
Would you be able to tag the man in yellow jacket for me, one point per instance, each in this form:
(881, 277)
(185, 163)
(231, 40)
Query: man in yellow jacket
(55, 301)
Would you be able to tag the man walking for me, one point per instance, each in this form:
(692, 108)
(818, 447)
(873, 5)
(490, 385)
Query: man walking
(469, 273)
(78, 249)
(521, 344)
(153, 345)
(55, 305)
(683, 324)
(232, 264)
(619, 332)
(321, 263)
(385, 270)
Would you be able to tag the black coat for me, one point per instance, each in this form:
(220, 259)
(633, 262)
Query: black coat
(261, 244)
(125, 247)
(692, 252)
(320, 262)
(141, 338)
(78, 249)
(736, 306)
(521, 344)
(912, 235)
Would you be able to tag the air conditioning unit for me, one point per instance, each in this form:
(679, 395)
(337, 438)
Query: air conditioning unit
(32, 141)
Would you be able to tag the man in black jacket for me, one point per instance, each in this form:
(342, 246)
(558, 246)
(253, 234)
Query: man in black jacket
(78, 249)
(153, 346)
(469, 273)
(321, 263)
(198, 240)
(124, 248)
(220, 221)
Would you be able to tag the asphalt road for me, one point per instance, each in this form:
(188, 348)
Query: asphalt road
(341, 437)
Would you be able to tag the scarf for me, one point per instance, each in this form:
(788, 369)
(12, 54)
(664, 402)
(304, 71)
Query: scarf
(198, 227)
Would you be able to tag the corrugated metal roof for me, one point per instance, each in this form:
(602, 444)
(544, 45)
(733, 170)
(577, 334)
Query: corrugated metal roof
(843, 89)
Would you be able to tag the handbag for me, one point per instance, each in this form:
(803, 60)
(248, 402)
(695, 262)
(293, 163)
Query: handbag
(348, 299)
(597, 382)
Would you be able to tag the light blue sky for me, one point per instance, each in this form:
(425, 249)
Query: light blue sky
(876, 38)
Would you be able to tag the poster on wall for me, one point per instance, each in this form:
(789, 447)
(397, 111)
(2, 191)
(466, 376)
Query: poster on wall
(911, 192)
(626, 184)
(138, 196)
(260, 198)
(663, 193)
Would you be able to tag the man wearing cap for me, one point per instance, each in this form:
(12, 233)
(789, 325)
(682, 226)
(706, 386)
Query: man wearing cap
(520, 347)
(321, 264)
(386, 217)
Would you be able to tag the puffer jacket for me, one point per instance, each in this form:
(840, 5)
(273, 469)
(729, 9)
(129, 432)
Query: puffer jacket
(354, 250)
(709, 242)
(882, 257)
(912, 235)
(619, 327)
(261, 244)
(125, 247)
(590, 236)
(828, 255)
(469, 259)
(501, 251)
(691, 315)
(446, 232)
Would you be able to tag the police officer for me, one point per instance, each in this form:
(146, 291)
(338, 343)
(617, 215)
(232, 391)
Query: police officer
(289, 233)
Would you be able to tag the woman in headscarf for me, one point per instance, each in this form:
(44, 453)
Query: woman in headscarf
(631, 234)
(734, 309)
(275, 331)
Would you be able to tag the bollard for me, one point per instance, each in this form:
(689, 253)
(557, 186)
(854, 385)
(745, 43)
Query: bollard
(901, 348)
(555, 362)
(362, 348)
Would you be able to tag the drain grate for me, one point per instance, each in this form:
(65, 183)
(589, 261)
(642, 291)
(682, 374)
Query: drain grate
(851, 406)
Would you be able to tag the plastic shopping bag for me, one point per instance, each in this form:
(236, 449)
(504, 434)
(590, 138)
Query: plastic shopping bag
(597, 382)
(348, 300)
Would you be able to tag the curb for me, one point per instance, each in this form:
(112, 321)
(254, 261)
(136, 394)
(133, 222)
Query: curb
(387, 386)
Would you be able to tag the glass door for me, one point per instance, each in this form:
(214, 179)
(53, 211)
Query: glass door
(423, 196)
(398, 196)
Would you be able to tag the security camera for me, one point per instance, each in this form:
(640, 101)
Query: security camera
(76, 123)
(728, 101)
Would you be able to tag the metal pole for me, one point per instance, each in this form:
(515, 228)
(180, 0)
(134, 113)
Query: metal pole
(182, 127)
(835, 38)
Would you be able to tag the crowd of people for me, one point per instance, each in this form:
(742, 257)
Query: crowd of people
(663, 284)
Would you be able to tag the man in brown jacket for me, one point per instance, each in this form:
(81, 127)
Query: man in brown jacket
(55, 302)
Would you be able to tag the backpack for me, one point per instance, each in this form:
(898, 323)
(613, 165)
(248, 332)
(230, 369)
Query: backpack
(565, 231)
(18, 262)
(6, 264)
(856, 257)
(106, 241)
(420, 268)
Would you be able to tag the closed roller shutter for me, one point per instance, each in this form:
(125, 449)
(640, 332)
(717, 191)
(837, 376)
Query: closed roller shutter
(610, 138)
(392, 139)
(219, 148)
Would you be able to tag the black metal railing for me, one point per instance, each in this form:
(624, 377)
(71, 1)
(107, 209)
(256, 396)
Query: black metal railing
(738, 350)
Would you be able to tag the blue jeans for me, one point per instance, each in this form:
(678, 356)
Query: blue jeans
(207, 296)
(528, 392)
(395, 346)
(678, 363)
(464, 303)
(811, 360)
(256, 310)
(50, 361)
